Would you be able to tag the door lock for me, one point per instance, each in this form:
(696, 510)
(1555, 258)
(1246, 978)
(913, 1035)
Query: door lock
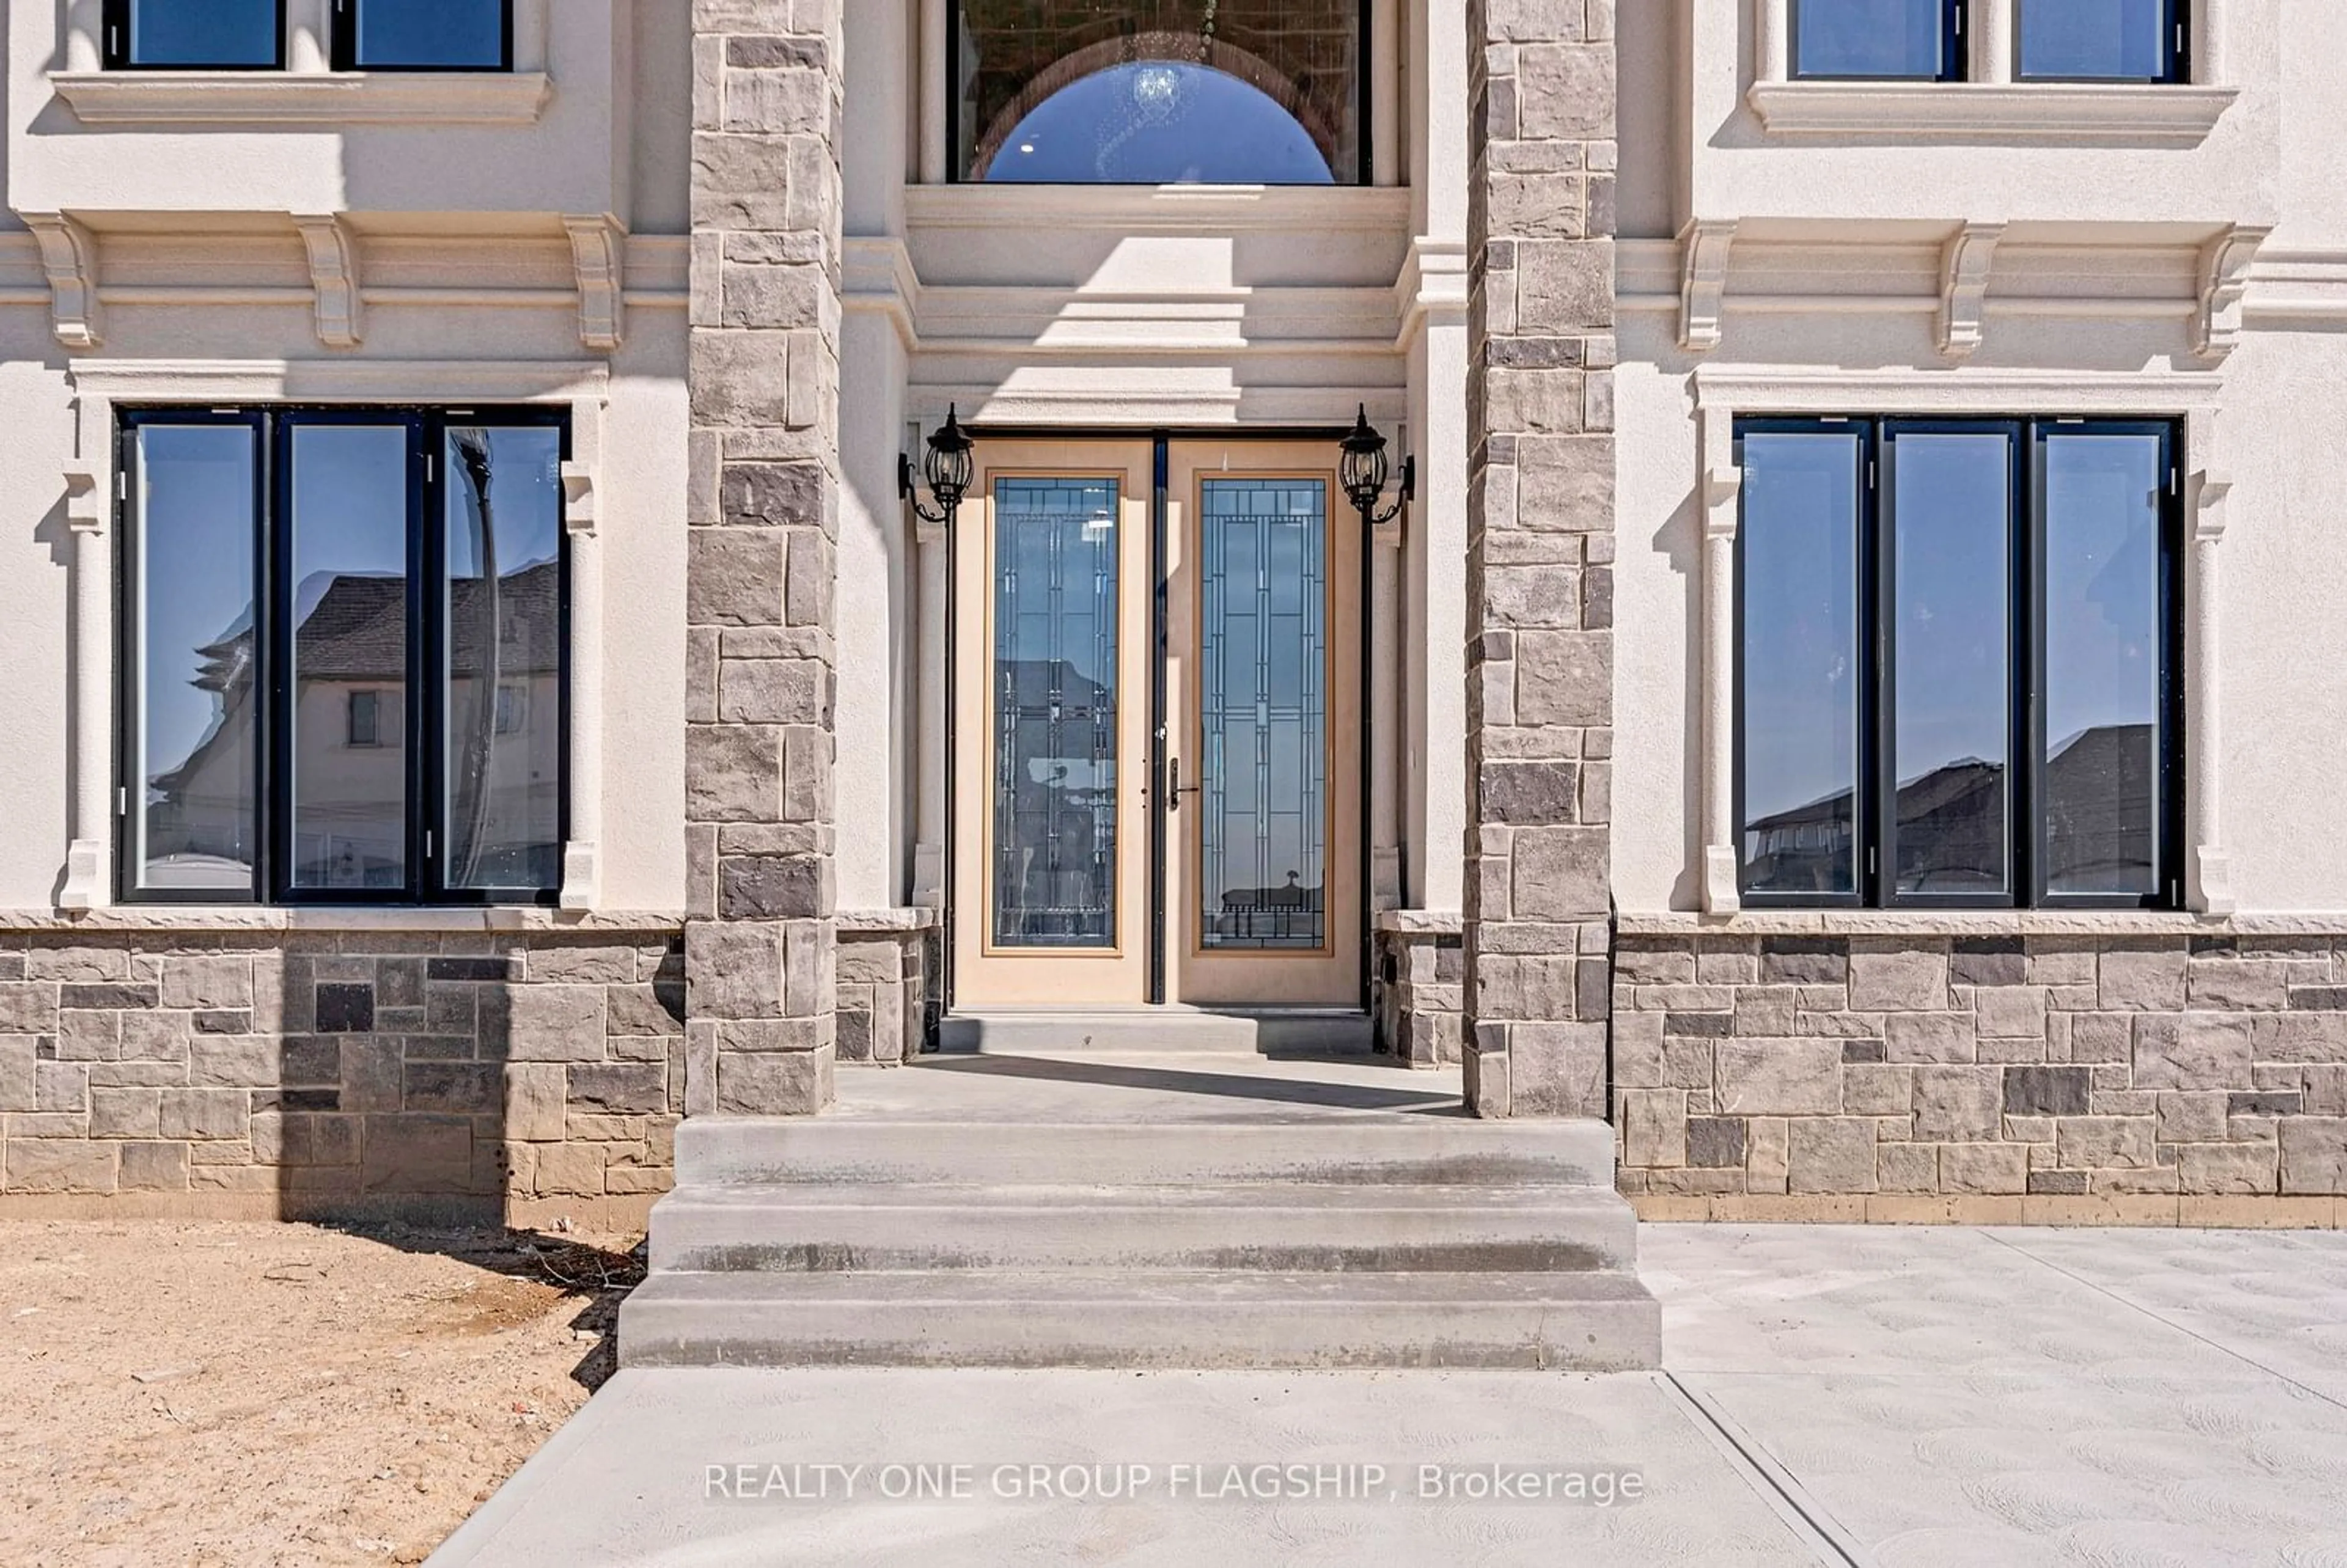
(1173, 790)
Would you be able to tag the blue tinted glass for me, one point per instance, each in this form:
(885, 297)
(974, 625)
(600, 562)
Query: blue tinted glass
(1800, 660)
(349, 486)
(1951, 593)
(409, 33)
(1869, 37)
(1159, 122)
(203, 33)
(502, 605)
(2123, 39)
(195, 820)
(2103, 646)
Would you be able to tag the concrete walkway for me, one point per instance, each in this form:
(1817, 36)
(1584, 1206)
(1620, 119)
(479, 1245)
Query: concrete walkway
(1842, 1396)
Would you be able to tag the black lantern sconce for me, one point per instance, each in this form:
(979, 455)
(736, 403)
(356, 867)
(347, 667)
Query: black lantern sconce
(1364, 471)
(947, 467)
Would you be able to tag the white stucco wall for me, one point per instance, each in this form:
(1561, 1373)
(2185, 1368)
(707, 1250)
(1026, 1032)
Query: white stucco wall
(2098, 273)
(459, 260)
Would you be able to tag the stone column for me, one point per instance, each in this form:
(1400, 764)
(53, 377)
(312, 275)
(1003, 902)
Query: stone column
(1540, 552)
(763, 527)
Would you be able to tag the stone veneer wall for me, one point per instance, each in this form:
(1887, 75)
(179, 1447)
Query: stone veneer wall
(1416, 991)
(2185, 1075)
(1539, 553)
(888, 1005)
(290, 1073)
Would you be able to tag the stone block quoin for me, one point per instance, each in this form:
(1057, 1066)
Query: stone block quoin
(760, 949)
(1541, 320)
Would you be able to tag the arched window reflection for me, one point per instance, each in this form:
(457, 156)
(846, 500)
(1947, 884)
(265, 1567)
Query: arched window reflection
(1159, 91)
(1158, 122)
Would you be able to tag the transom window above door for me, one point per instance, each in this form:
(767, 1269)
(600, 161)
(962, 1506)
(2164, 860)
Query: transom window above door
(366, 35)
(1156, 92)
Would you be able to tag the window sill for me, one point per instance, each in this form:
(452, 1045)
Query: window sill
(1970, 923)
(492, 919)
(2126, 115)
(333, 97)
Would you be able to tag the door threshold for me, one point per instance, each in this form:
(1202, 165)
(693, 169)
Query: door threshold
(1262, 1031)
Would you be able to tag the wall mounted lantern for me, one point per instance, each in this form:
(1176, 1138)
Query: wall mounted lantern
(947, 467)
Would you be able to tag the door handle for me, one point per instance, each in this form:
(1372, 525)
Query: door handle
(1173, 790)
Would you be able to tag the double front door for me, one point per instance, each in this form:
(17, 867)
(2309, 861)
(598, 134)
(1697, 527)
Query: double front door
(1158, 728)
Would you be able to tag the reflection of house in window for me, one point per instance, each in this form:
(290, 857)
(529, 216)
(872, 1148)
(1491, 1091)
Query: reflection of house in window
(2099, 827)
(351, 656)
(198, 815)
(513, 708)
(366, 718)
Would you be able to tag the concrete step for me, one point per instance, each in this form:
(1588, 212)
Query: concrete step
(1026, 1031)
(797, 1229)
(1595, 1321)
(1255, 1142)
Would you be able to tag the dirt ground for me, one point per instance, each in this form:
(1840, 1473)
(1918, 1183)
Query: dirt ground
(230, 1395)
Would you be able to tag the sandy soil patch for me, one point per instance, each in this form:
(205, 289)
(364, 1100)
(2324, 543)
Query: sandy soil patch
(221, 1396)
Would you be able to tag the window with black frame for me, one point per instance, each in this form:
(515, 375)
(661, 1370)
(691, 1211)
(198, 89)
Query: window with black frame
(2103, 41)
(346, 656)
(195, 34)
(1958, 660)
(423, 34)
(1912, 40)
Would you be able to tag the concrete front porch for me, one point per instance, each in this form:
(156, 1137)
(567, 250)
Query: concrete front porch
(1830, 1394)
(1126, 1209)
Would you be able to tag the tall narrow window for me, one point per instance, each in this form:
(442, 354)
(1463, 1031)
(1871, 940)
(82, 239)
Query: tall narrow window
(195, 34)
(193, 746)
(347, 538)
(1262, 657)
(1951, 529)
(1149, 92)
(2103, 40)
(2105, 611)
(1958, 663)
(423, 34)
(502, 653)
(1055, 700)
(385, 721)
(1913, 39)
(1804, 514)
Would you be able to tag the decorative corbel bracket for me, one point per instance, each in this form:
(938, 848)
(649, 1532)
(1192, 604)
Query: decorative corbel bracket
(599, 254)
(1703, 247)
(2209, 493)
(84, 503)
(2225, 264)
(580, 470)
(69, 260)
(334, 252)
(577, 498)
(1723, 488)
(1964, 268)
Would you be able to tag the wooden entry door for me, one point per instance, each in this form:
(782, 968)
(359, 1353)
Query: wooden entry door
(1053, 677)
(1263, 791)
(1136, 767)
